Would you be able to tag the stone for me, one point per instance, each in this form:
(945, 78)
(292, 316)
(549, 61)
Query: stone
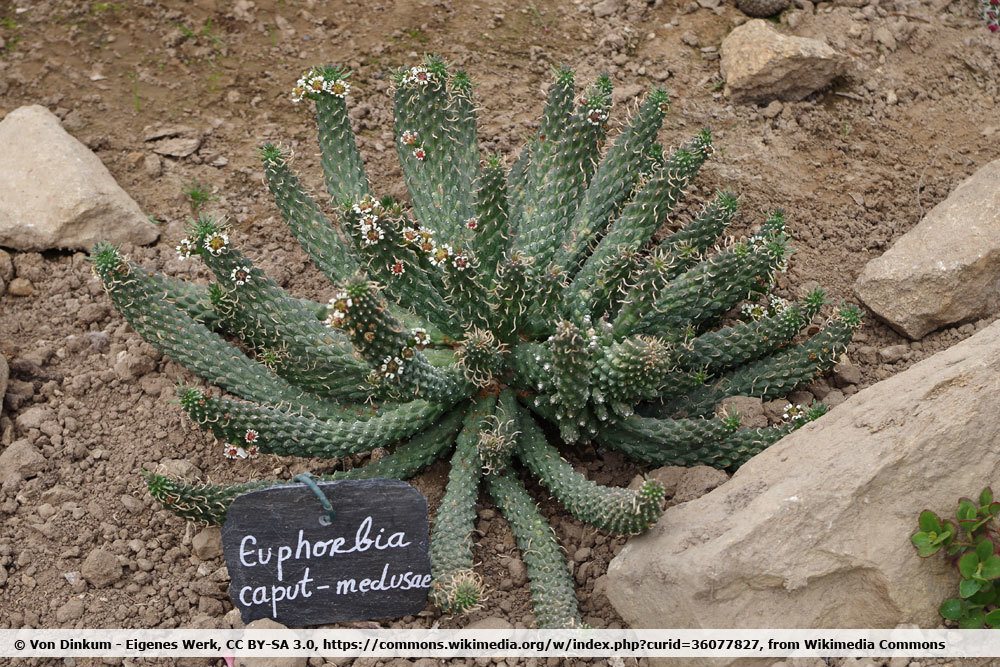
(669, 477)
(845, 373)
(762, 8)
(58, 194)
(6, 266)
(101, 568)
(893, 353)
(760, 64)
(173, 140)
(946, 269)
(22, 459)
(814, 531)
(70, 611)
(34, 417)
(178, 468)
(268, 624)
(4, 377)
(749, 408)
(607, 8)
(207, 544)
(884, 36)
(698, 481)
(19, 286)
(490, 623)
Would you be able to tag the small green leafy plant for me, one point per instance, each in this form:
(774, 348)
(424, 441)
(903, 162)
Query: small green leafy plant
(970, 542)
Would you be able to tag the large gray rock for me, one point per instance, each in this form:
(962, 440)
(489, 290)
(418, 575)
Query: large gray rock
(760, 64)
(947, 268)
(814, 531)
(57, 193)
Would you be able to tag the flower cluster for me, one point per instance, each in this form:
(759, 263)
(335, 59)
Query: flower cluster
(247, 450)
(412, 140)
(597, 116)
(418, 76)
(316, 81)
(794, 413)
(369, 214)
(339, 305)
(990, 10)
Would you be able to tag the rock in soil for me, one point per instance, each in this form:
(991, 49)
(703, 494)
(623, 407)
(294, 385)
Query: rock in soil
(762, 8)
(814, 528)
(760, 64)
(207, 544)
(57, 193)
(947, 268)
(101, 568)
(22, 459)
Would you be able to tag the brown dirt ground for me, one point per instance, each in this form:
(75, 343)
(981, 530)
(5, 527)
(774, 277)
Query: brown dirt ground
(854, 168)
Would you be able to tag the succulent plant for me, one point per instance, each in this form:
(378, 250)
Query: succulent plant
(499, 317)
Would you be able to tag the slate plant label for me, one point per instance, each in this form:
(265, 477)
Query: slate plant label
(289, 562)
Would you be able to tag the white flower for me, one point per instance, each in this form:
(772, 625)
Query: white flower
(397, 268)
(460, 262)
(371, 234)
(596, 116)
(234, 452)
(419, 76)
(754, 311)
(337, 88)
(216, 243)
(409, 138)
(392, 367)
(441, 254)
(420, 154)
(420, 338)
(240, 275)
(251, 436)
(472, 223)
(794, 412)
(185, 248)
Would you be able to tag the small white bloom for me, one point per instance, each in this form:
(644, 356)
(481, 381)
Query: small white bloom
(185, 248)
(240, 275)
(216, 243)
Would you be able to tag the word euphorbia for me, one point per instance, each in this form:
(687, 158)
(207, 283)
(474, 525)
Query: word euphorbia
(497, 317)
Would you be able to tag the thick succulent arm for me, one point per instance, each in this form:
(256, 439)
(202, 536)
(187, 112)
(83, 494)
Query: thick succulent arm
(535, 159)
(279, 327)
(428, 143)
(343, 169)
(562, 175)
(777, 374)
(487, 232)
(172, 331)
(690, 442)
(282, 430)
(395, 353)
(728, 347)
(614, 181)
(686, 245)
(456, 587)
(704, 292)
(208, 503)
(324, 242)
(552, 593)
(572, 356)
(638, 221)
(614, 510)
